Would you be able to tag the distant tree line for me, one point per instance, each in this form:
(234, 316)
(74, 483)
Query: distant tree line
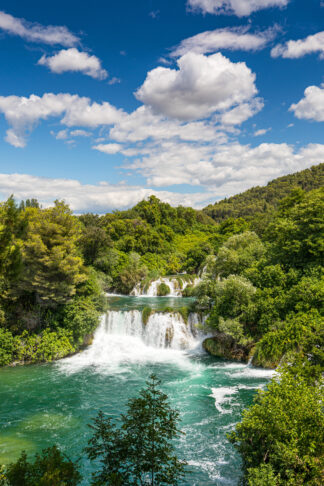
(258, 201)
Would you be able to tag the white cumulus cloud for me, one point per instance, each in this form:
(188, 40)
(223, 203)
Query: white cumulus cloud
(99, 197)
(61, 135)
(74, 60)
(311, 107)
(241, 8)
(242, 112)
(201, 86)
(143, 124)
(34, 32)
(22, 113)
(80, 133)
(232, 38)
(226, 169)
(294, 49)
(108, 148)
(262, 131)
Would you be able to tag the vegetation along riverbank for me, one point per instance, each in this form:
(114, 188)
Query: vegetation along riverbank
(253, 265)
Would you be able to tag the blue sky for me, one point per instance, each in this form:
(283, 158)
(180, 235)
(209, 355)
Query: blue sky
(192, 100)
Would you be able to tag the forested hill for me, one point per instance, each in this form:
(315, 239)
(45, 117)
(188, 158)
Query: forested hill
(260, 200)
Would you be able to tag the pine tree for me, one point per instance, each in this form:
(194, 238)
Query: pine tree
(141, 451)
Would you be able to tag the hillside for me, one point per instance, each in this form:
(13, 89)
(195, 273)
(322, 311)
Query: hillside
(259, 200)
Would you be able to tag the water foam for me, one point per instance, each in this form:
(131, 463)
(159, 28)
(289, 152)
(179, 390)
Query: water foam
(250, 372)
(223, 395)
(173, 284)
(122, 339)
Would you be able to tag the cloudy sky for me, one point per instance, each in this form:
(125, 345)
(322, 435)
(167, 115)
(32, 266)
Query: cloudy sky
(106, 102)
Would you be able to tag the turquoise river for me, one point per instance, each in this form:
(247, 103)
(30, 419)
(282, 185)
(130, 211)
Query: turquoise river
(52, 403)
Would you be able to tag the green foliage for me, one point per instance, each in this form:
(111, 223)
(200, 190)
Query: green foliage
(301, 334)
(94, 243)
(163, 289)
(141, 451)
(263, 476)
(297, 232)
(184, 312)
(238, 253)
(232, 327)
(285, 429)
(81, 318)
(146, 312)
(232, 226)
(49, 302)
(12, 227)
(35, 348)
(7, 347)
(132, 273)
(261, 200)
(52, 266)
(196, 257)
(231, 297)
(50, 468)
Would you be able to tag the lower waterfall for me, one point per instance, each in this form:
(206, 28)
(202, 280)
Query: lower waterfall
(209, 393)
(163, 330)
(122, 337)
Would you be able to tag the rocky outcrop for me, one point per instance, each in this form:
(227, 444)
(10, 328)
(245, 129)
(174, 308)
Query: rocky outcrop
(224, 346)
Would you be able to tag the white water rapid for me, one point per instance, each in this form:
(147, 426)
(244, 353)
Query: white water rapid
(172, 282)
(123, 338)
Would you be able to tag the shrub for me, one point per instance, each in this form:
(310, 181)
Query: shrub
(232, 327)
(184, 312)
(146, 312)
(188, 291)
(49, 468)
(81, 317)
(300, 333)
(35, 348)
(163, 289)
(285, 429)
(48, 346)
(7, 347)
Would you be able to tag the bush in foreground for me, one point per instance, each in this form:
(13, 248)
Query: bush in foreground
(281, 437)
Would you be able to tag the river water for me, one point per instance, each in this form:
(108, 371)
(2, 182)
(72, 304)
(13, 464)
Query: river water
(45, 404)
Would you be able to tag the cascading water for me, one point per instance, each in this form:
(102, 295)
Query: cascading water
(122, 337)
(162, 330)
(172, 282)
(57, 401)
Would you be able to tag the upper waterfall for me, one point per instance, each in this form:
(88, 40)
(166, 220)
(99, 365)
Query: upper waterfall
(176, 285)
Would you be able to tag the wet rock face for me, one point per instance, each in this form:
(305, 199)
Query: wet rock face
(169, 333)
(224, 346)
(88, 338)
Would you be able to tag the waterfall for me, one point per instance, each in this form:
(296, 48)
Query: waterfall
(172, 282)
(122, 338)
(162, 330)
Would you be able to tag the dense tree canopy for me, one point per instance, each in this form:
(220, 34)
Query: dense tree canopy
(281, 437)
(261, 200)
(261, 289)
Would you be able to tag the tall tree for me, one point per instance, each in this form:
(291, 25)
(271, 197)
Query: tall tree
(52, 265)
(142, 451)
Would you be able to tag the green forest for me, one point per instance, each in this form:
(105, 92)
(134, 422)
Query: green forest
(259, 256)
